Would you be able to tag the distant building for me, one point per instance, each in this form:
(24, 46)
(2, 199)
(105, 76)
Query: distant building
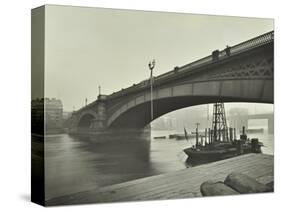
(52, 110)
(237, 118)
(53, 114)
(164, 123)
(66, 117)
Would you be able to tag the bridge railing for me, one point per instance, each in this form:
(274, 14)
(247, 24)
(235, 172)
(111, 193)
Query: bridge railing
(196, 63)
(239, 48)
(253, 43)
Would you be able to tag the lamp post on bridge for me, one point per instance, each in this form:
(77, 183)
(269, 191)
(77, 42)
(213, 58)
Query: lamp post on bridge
(151, 66)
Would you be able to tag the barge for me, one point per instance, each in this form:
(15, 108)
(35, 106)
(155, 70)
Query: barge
(220, 142)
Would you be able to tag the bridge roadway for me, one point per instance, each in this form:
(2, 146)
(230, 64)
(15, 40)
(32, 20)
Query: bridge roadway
(176, 185)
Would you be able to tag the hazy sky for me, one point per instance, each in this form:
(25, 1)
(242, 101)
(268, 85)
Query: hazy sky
(87, 47)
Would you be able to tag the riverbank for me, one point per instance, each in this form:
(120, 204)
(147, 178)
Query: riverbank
(179, 184)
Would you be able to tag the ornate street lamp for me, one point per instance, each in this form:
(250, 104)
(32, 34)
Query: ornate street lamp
(151, 66)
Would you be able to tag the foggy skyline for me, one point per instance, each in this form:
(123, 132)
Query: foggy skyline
(201, 111)
(87, 47)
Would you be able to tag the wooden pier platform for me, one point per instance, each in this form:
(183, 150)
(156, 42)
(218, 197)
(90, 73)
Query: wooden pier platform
(180, 184)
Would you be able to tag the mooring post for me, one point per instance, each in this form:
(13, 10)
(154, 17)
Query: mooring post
(243, 136)
(196, 137)
(205, 136)
(211, 136)
(197, 134)
(231, 134)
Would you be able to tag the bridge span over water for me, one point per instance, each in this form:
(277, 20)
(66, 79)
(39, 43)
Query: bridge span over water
(241, 73)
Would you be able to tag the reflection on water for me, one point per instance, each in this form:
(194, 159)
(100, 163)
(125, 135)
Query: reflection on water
(75, 164)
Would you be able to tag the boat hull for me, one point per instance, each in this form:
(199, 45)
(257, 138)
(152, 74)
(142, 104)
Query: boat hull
(211, 154)
(197, 157)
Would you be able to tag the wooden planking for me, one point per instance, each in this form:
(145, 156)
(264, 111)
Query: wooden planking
(180, 184)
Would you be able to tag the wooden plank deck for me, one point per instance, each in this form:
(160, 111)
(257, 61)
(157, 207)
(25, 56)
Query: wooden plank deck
(180, 184)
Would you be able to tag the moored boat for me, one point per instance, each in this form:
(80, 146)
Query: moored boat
(221, 143)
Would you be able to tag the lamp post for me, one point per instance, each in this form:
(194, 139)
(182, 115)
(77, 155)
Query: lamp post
(151, 66)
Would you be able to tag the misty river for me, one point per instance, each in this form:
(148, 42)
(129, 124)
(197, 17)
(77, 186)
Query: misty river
(75, 164)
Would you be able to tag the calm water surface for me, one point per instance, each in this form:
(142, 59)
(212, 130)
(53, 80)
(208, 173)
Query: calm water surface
(76, 164)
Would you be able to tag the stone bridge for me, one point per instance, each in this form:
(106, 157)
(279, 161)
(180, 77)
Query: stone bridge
(241, 73)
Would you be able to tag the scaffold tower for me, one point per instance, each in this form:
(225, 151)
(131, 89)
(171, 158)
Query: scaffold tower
(219, 124)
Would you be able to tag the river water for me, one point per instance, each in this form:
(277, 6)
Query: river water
(75, 164)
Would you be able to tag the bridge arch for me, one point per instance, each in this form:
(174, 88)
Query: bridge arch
(86, 120)
(135, 113)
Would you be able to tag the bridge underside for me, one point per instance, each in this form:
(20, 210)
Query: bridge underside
(136, 112)
(139, 116)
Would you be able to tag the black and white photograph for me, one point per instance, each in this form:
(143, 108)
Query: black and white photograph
(149, 105)
(139, 105)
